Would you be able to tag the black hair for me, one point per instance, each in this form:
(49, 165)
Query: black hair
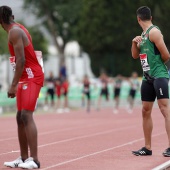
(5, 14)
(144, 13)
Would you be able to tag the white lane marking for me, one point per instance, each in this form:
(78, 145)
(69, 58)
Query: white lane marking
(162, 166)
(75, 138)
(95, 153)
(86, 136)
(54, 131)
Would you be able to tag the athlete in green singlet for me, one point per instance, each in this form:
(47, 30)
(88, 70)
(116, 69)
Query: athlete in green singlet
(153, 53)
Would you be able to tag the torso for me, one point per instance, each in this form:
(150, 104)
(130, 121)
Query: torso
(150, 57)
(32, 69)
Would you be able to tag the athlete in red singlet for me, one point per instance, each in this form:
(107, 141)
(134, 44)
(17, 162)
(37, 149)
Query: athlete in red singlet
(26, 84)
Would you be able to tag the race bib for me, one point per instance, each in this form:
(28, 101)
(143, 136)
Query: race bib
(12, 62)
(144, 62)
(40, 59)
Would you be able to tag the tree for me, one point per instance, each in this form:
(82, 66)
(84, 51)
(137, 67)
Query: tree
(58, 16)
(3, 44)
(39, 41)
(106, 29)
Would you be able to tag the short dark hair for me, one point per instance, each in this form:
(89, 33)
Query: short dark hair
(144, 13)
(5, 14)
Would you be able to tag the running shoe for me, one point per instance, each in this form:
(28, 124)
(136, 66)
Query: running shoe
(15, 163)
(142, 152)
(166, 153)
(29, 164)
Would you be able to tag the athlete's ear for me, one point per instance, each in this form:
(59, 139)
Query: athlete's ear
(138, 19)
(13, 17)
(151, 18)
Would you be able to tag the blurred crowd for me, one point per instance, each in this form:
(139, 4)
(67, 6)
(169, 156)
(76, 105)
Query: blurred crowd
(57, 90)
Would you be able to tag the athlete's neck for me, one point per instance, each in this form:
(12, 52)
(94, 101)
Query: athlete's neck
(146, 25)
(9, 26)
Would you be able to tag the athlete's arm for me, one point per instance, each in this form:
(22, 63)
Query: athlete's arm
(156, 37)
(16, 40)
(135, 50)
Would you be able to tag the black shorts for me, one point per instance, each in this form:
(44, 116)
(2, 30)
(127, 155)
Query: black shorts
(159, 88)
(105, 92)
(87, 93)
(132, 93)
(116, 92)
(51, 93)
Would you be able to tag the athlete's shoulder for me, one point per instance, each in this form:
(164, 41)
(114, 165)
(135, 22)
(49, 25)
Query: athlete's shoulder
(14, 33)
(155, 34)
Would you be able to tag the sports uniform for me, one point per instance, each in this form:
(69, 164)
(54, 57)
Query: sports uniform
(50, 83)
(134, 86)
(155, 79)
(104, 89)
(58, 87)
(86, 88)
(32, 77)
(65, 86)
(117, 87)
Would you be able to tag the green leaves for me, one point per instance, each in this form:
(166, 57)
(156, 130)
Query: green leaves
(4, 42)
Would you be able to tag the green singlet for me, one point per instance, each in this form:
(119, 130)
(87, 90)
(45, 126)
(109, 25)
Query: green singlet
(150, 57)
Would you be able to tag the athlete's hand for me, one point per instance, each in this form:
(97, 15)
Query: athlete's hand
(137, 39)
(12, 91)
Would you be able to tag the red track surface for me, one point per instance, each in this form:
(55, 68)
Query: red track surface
(88, 141)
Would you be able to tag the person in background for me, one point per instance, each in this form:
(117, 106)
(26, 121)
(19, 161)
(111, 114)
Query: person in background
(117, 89)
(58, 91)
(25, 86)
(50, 84)
(63, 71)
(104, 79)
(86, 92)
(64, 92)
(134, 86)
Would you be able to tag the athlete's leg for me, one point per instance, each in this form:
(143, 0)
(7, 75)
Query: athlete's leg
(65, 100)
(88, 101)
(46, 97)
(147, 122)
(116, 102)
(162, 92)
(132, 98)
(99, 99)
(52, 97)
(30, 131)
(164, 108)
(20, 125)
(148, 96)
(99, 102)
(22, 137)
(58, 101)
(30, 93)
(83, 99)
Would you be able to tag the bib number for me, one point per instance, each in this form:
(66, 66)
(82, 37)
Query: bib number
(12, 62)
(144, 62)
(40, 59)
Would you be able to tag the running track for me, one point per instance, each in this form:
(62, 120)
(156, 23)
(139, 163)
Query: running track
(99, 140)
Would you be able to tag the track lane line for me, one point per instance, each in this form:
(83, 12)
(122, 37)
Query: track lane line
(53, 131)
(96, 153)
(77, 138)
(162, 166)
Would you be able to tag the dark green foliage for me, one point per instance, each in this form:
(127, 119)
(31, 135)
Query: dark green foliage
(104, 28)
(107, 28)
(39, 41)
(4, 43)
